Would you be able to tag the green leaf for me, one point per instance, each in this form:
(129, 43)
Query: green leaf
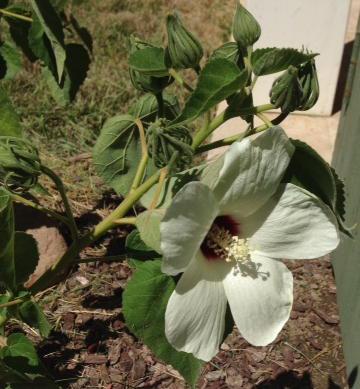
(26, 256)
(272, 60)
(310, 171)
(148, 224)
(147, 107)
(7, 265)
(10, 123)
(218, 80)
(52, 27)
(10, 61)
(40, 46)
(76, 68)
(20, 364)
(137, 249)
(19, 29)
(144, 305)
(149, 61)
(117, 152)
(31, 314)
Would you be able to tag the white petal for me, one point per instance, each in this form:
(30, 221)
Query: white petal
(185, 225)
(195, 314)
(294, 224)
(252, 170)
(260, 300)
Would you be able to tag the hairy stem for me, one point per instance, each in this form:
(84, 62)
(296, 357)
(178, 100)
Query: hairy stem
(38, 207)
(160, 102)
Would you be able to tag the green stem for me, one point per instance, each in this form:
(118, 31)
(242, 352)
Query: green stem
(40, 208)
(219, 143)
(204, 132)
(16, 16)
(60, 187)
(180, 80)
(54, 274)
(126, 220)
(110, 222)
(264, 118)
(140, 172)
(12, 303)
(231, 139)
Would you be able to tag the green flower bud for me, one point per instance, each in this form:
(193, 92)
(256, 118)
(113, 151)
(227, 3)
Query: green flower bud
(310, 85)
(20, 165)
(142, 82)
(246, 30)
(229, 51)
(164, 140)
(286, 92)
(184, 50)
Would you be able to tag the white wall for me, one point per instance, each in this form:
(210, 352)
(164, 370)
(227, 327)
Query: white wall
(318, 25)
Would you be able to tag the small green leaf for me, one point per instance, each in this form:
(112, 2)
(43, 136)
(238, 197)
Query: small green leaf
(19, 29)
(137, 249)
(218, 80)
(273, 60)
(148, 224)
(171, 186)
(10, 123)
(51, 24)
(147, 107)
(26, 256)
(31, 314)
(18, 345)
(310, 171)
(20, 366)
(76, 67)
(10, 61)
(144, 304)
(7, 265)
(149, 61)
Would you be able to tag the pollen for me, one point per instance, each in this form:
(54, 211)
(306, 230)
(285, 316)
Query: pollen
(226, 246)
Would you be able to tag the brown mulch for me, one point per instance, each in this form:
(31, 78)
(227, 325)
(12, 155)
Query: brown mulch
(92, 348)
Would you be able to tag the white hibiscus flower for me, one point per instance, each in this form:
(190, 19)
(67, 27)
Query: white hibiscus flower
(228, 239)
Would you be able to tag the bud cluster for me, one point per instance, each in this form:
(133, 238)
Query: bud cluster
(164, 141)
(296, 88)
